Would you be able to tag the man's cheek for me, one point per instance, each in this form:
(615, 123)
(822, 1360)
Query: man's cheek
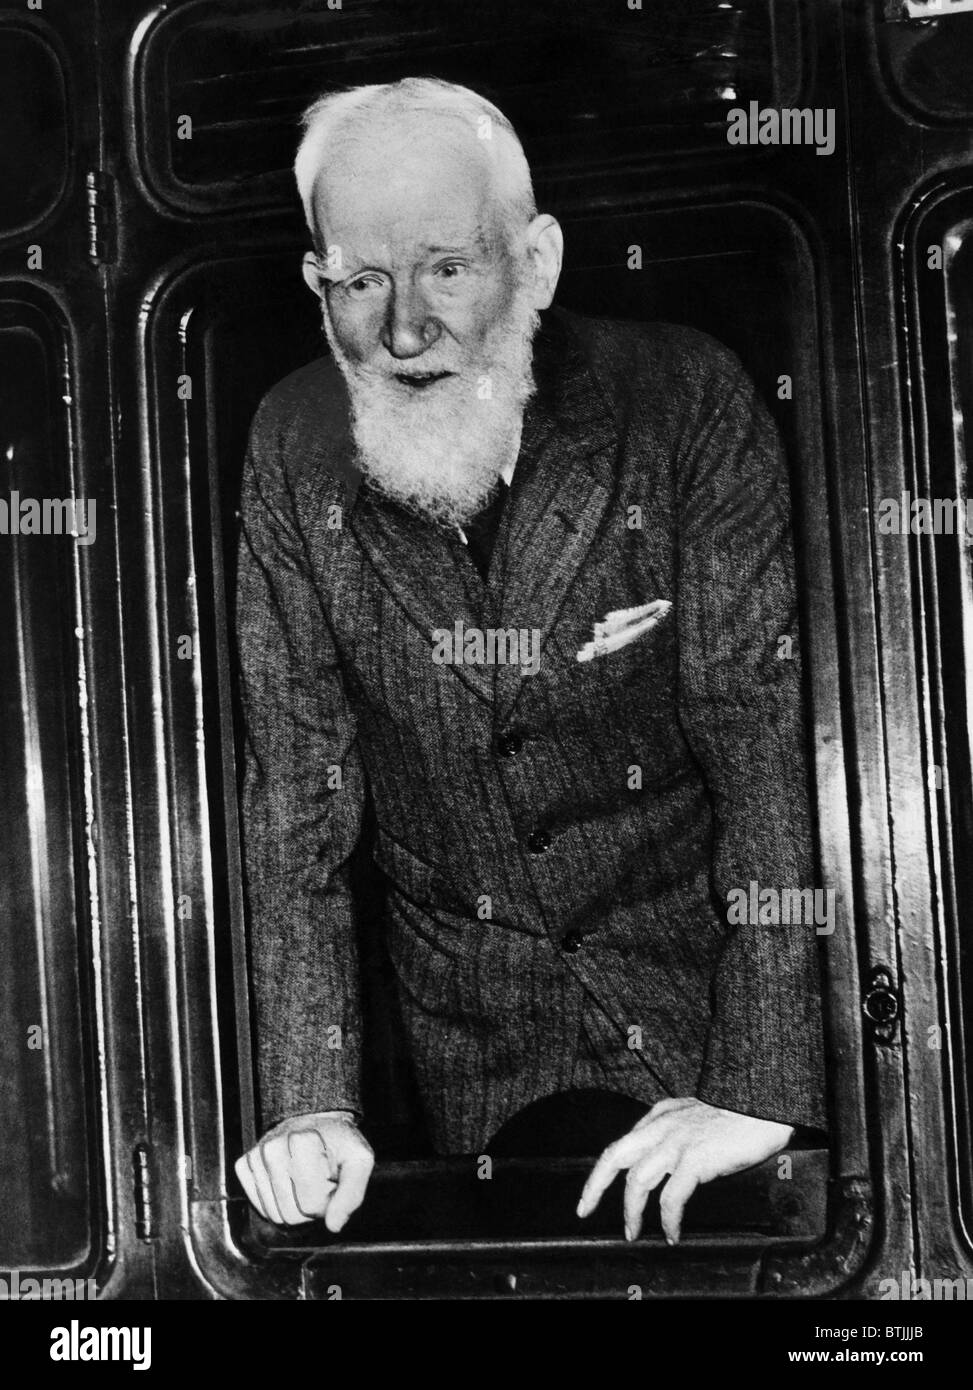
(475, 326)
(358, 333)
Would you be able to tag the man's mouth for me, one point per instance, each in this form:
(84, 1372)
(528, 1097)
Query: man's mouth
(418, 381)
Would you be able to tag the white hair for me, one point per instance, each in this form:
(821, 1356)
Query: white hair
(343, 114)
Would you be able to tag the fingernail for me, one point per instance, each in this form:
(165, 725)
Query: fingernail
(581, 1209)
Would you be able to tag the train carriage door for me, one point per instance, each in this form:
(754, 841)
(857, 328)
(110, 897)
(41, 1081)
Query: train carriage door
(912, 157)
(72, 1094)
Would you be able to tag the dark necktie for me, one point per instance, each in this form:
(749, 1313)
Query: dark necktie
(481, 530)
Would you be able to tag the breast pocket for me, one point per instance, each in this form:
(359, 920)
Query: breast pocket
(644, 665)
(617, 710)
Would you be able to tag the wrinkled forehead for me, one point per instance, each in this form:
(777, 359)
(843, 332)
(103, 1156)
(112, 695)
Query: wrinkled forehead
(398, 187)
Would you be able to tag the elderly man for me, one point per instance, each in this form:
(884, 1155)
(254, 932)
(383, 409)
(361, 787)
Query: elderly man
(543, 638)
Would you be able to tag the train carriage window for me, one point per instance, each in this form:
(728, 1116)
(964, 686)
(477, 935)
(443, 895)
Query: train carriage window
(250, 323)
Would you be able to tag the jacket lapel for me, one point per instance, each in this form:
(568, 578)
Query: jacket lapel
(423, 568)
(561, 489)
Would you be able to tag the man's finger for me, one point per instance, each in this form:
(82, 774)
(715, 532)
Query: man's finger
(599, 1179)
(277, 1162)
(681, 1185)
(265, 1190)
(640, 1142)
(311, 1173)
(354, 1170)
(643, 1178)
(248, 1183)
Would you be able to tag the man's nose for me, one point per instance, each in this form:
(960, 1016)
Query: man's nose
(409, 328)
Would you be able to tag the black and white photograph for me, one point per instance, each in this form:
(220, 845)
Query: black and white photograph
(486, 745)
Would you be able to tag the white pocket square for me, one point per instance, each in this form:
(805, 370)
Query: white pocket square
(623, 626)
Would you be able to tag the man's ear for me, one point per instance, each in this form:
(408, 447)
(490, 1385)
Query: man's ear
(313, 278)
(545, 246)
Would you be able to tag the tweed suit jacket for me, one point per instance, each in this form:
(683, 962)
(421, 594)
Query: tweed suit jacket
(559, 846)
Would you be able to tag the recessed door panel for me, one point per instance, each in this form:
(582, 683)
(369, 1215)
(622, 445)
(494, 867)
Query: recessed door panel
(36, 125)
(935, 521)
(44, 1043)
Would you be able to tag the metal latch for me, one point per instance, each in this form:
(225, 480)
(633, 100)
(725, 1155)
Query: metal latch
(880, 1005)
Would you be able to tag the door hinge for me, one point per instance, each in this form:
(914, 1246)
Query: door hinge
(101, 217)
(142, 1187)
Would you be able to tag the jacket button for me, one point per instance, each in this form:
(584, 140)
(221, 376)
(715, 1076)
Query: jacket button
(538, 841)
(510, 745)
(571, 942)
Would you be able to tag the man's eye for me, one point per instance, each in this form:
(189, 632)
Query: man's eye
(451, 270)
(363, 285)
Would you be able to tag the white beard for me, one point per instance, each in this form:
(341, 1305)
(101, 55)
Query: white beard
(439, 451)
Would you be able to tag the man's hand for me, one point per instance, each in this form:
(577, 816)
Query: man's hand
(690, 1141)
(308, 1166)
